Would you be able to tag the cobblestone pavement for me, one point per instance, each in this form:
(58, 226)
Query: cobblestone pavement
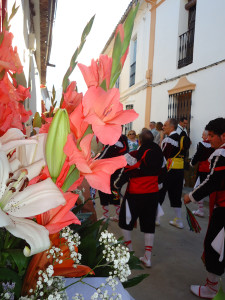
(176, 258)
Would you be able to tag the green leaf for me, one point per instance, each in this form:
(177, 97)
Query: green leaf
(8, 275)
(37, 120)
(87, 29)
(1, 37)
(87, 249)
(73, 176)
(103, 85)
(6, 23)
(20, 260)
(134, 281)
(120, 48)
(116, 56)
(134, 262)
(128, 28)
(14, 11)
(220, 295)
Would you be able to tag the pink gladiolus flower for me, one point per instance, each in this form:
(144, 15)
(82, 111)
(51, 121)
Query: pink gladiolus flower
(9, 59)
(23, 92)
(71, 98)
(98, 71)
(105, 113)
(45, 127)
(97, 172)
(78, 125)
(57, 218)
(12, 112)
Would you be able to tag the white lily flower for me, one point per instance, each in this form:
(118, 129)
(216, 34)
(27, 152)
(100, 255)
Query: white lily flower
(30, 153)
(34, 151)
(18, 202)
(12, 139)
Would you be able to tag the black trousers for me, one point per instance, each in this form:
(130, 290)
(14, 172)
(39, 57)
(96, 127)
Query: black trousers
(217, 222)
(142, 206)
(173, 184)
(106, 199)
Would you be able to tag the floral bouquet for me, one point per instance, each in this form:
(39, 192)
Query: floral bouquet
(39, 174)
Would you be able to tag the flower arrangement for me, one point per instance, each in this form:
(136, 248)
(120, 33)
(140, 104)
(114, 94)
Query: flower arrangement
(38, 175)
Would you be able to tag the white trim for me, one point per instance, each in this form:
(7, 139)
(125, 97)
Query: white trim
(207, 145)
(218, 152)
(192, 198)
(168, 140)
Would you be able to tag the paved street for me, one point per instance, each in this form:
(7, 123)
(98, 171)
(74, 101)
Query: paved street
(176, 258)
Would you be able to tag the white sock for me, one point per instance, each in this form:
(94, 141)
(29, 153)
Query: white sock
(149, 241)
(178, 212)
(200, 206)
(105, 211)
(117, 207)
(127, 238)
(213, 277)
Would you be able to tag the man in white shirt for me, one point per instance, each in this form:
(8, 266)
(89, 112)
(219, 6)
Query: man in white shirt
(182, 126)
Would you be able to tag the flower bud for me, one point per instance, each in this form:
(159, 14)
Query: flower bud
(56, 140)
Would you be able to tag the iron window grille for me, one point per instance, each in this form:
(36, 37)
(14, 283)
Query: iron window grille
(180, 106)
(186, 48)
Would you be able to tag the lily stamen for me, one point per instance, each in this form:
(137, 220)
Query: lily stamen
(12, 188)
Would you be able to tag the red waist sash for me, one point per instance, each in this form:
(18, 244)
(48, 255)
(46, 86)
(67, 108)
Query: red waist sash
(203, 166)
(143, 185)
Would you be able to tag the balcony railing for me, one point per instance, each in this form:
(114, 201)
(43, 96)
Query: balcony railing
(186, 48)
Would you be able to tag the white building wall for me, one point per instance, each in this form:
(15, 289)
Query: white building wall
(136, 94)
(209, 46)
(208, 98)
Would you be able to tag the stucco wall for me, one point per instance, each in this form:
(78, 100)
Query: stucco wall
(209, 46)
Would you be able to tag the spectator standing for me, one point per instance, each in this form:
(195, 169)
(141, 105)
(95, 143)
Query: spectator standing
(160, 135)
(152, 126)
(132, 140)
(182, 126)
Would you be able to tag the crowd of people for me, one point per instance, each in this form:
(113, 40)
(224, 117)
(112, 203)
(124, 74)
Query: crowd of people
(155, 166)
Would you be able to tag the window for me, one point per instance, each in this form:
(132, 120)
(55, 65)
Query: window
(180, 106)
(117, 84)
(128, 126)
(133, 61)
(186, 39)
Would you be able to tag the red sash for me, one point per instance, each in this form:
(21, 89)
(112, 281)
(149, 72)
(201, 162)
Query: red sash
(143, 185)
(204, 166)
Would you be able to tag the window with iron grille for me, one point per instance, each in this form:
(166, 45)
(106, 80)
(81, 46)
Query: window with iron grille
(180, 106)
(186, 39)
(128, 126)
(133, 62)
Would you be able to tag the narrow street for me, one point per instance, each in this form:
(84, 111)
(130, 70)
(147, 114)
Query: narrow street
(176, 258)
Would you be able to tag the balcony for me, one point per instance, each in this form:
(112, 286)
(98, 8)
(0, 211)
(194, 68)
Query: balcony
(186, 48)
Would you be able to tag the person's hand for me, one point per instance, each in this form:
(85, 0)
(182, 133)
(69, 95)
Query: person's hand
(186, 199)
